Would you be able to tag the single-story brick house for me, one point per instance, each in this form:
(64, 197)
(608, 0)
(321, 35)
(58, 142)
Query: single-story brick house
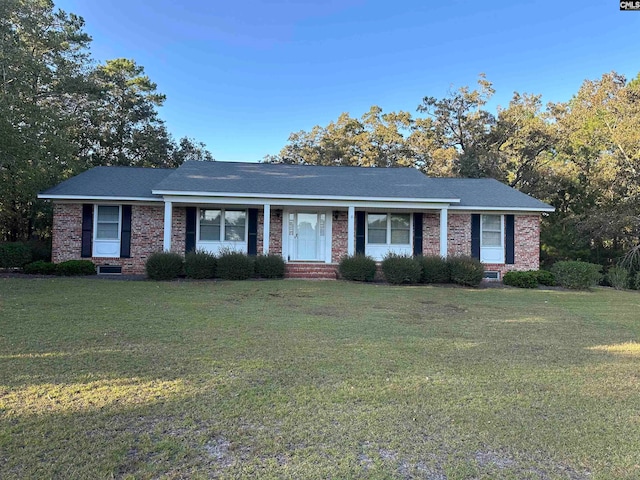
(310, 215)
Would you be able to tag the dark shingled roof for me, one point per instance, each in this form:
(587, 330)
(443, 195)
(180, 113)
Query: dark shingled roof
(133, 182)
(319, 181)
(263, 179)
(487, 192)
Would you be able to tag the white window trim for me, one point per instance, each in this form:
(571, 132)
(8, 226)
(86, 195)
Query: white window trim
(388, 233)
(482, 245)
(97, 242)
(215, 245)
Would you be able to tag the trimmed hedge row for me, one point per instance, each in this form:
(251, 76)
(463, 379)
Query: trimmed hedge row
(577, 275)
(70, 268)
(529, 278)
(404, 269)
(229, 265)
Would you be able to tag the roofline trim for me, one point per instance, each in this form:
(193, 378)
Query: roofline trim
(503, 209)
(276, 196)
(98, 197)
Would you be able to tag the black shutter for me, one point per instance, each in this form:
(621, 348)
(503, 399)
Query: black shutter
(417, 234)
(252, 245)
(190, 229)
(87, 230)
(125, 234)
(475, 235)
(360, 226)
(509, 246)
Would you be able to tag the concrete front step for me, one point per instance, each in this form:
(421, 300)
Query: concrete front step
(311, 270)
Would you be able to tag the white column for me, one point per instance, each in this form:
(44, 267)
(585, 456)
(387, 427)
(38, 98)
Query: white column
(443, 232)
(167, 225)
(351, 231)
(266, 226)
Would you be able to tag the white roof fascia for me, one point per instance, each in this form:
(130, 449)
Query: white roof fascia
(100, 198)
(306, 202)
(264, 198)
(466, 209)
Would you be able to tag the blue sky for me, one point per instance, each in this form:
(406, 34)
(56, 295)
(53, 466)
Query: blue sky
(241, 76)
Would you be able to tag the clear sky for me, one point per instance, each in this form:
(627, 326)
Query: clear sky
(241, 76)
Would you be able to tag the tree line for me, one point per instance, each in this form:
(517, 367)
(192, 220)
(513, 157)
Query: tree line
(61, 113)
(581, 156)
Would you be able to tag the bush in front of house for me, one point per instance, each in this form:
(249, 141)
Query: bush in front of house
(269, 266)
(577, 275)
(434, 269)
(164, 266)
(618, 277)
(521, 279)
(398, 269)
(636, 281)
(235, 266)
(545, 277)
(40, 267)
(73, 268)
(358, 268)
(14, 254)
(199, 265)
(467, 271)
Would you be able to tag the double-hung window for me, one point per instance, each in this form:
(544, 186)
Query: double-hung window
(107, 228)
(388, 229)
(492, 239)
(220, 225)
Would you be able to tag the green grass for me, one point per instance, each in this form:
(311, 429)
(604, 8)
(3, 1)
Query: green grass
(288, 379)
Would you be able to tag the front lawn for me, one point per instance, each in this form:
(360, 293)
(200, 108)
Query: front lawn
(294, 379)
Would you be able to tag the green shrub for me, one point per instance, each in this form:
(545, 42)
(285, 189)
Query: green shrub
(235, 266)
(398, 269)
(72, 268)
(40, 267)
(434, 270)
(269, 266)
(618, 278)
(545, 277)
(576, 274)
(521, 279)
(199, 265)
(636, 283)
(466, 271)
(164, 266)
(40, 250)
(358, 268)
(14, 255)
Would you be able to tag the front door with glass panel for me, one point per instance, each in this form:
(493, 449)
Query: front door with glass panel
(306, 236)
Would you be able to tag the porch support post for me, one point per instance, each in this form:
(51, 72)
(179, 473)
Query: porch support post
(443, 231)
(351, 231)
(266, 226)
(168, 209)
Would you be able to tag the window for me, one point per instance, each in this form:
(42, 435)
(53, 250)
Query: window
(216, 225)
(108, 222)
(394, 229)
(491, 231)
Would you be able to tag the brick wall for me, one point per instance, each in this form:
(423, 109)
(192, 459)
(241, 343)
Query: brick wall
(431, 234)
(178, 229)
(339, 236)
(459, 234)
(527, 242)
(66, 232)
(275, 232)
(146, 236)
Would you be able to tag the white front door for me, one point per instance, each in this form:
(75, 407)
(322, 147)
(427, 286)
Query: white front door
(307, 233)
